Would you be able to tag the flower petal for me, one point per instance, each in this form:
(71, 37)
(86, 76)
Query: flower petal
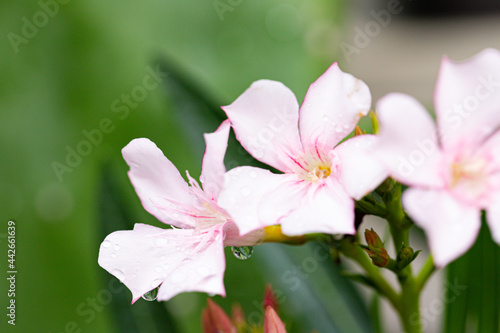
(359, 171)
(323, 208)
(332, 107)
(265, 121)
(157, 181)
(407, 142)
(467, 98)
(213, 169)
(244, 189)
(178, 259)
(451, 227)
(232, 236)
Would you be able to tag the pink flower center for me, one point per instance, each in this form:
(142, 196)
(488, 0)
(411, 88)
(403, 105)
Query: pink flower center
(469, 178)
(313, 167)
(319, 172)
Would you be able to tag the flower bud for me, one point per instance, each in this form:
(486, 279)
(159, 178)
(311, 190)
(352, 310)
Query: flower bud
(373, 240)
(358, 131)
(270, 299)
(238, 317)
(214, 319)
(373, 118)
(405, 256)
(273, 323)
(376, 250)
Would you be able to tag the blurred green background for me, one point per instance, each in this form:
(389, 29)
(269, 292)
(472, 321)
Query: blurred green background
(66, 69)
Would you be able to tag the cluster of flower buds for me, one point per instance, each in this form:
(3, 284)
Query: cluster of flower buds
(215, 320)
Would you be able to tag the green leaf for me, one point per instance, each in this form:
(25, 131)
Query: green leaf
(477, 308)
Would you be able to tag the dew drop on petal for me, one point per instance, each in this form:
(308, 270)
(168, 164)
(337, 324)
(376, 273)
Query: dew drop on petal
(116, 247)
(119, 274)
(106, 243)
(242, 252)
(151, 295)
(113, 255)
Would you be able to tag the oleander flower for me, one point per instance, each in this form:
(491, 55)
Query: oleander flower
(453, 166)
(320, 176)
(180, 260)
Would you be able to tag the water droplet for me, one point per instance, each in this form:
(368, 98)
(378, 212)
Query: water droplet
(116, 247)
(326, 118)
(106, 243)
(151, 295)
(119, 274)
(338, 129)
(242, 252)
(113, 255)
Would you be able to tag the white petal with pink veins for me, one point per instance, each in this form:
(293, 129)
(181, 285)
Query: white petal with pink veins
(451, 227)
(331, 109)
(407, 143)
(265, 121)
(157, 182)
(178, 260)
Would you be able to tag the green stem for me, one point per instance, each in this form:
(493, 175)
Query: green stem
(410, 309)
(425, 273)
(400, 226)
(353, 251)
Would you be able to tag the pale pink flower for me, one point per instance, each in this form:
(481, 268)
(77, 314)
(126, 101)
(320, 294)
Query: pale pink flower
(453, 166)
(319, 180)
(180, 260)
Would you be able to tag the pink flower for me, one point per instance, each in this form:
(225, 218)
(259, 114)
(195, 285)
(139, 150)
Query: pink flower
(453, 167)
(315, 191)
(180, 260)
